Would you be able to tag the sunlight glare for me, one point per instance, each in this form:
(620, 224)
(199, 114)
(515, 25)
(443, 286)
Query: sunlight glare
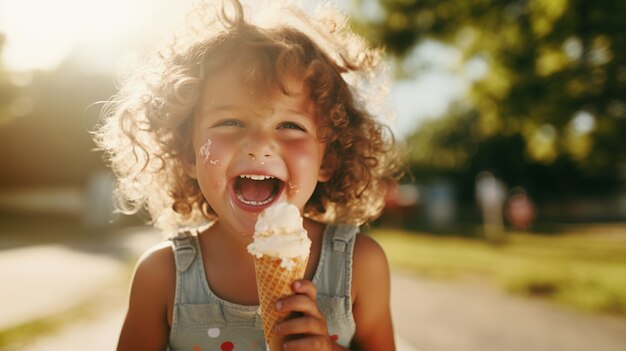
(40, 34)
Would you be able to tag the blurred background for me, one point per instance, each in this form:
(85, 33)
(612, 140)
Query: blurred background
(509, 231)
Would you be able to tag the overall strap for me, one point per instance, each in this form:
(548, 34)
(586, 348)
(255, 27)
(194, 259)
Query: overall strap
(343, 237)
(190, 280)
(185, 250)
(336, 278)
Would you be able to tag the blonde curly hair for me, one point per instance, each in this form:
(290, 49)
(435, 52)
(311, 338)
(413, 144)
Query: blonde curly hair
(146, 127)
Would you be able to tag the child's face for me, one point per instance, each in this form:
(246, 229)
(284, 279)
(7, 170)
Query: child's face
(251, 153)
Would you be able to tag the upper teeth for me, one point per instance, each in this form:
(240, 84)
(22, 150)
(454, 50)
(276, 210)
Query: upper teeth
(255, 177)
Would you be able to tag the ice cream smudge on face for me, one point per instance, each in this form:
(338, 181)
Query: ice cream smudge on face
(205, 150)
(293, 189)
(279, 233)
(205, 153)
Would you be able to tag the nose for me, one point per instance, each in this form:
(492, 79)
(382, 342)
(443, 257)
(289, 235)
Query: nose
(259, 145)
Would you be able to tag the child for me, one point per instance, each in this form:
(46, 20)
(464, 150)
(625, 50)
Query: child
(237, 114)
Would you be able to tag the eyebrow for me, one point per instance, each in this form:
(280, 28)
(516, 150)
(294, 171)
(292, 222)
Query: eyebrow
(217, 108)
(298, 112)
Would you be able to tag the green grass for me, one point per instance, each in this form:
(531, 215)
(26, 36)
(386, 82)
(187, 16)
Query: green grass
(578, 268)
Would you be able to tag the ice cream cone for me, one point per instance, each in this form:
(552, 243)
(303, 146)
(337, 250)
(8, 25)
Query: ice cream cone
(273, 283)
(281, 250)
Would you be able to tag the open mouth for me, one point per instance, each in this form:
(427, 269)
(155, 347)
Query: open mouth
(257, 190)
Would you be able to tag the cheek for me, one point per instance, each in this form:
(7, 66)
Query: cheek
(217, 185)
(305, 159)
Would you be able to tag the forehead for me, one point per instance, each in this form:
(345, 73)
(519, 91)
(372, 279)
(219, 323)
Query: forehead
(232, 86)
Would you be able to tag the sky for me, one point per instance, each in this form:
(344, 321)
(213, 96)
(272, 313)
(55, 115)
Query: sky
(101, 34)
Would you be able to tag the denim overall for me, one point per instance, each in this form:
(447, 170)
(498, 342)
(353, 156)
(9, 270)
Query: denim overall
(204, 322)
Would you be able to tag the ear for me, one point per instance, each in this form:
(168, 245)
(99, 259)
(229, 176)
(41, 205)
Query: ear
(327, 169)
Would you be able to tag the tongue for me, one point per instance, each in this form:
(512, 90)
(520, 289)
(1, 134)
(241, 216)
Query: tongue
(256, 190)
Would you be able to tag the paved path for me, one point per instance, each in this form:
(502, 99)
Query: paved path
(99, 334)
(446, 316)
(44, 280)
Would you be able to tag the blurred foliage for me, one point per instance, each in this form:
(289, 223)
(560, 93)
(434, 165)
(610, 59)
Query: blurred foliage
(549, 113)
(45, 120)
(7, 90)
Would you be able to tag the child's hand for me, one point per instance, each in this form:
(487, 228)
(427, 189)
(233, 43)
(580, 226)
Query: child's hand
(308, 330)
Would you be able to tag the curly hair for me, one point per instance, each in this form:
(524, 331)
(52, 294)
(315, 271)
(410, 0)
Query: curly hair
(146, 127)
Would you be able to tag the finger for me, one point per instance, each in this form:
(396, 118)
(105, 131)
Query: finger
(301, 325)
(316, 343)
(298, 303)
(306, 287)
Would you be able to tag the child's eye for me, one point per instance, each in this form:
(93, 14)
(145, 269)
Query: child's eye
(291, 125)
(228, 123)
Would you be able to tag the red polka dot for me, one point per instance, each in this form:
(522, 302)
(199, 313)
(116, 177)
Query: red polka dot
(227, 346)
(334, 337)
(196, 348)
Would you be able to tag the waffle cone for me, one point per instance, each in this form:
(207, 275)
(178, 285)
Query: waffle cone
(273, 283)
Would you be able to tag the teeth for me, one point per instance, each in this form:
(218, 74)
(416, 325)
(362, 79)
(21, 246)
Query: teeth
(254, 203)
(256, 177)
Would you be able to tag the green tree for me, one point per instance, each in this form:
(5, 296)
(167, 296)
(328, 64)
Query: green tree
(553, 99)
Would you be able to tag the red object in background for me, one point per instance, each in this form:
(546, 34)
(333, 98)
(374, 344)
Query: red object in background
(520, 211)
